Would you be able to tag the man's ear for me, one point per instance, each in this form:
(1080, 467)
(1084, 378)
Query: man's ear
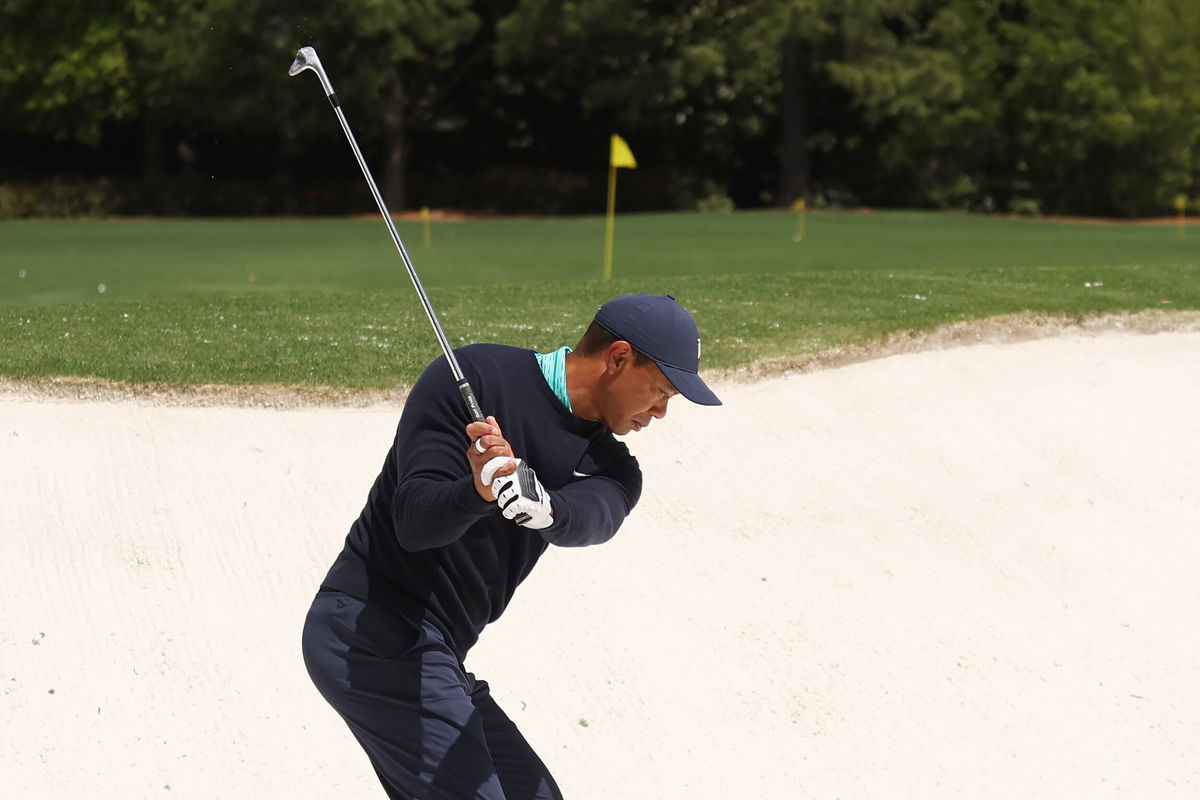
(618, 356)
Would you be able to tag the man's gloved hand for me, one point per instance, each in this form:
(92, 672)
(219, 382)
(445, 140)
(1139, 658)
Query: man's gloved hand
(521, 496)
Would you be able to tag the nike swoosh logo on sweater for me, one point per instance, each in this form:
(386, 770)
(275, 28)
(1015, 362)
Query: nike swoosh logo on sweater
(579, 474)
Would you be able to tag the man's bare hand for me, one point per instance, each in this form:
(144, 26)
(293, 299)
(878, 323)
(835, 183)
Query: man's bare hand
(487, 443)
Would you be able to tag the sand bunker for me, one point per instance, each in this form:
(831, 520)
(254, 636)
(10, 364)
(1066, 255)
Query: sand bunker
(963, 573)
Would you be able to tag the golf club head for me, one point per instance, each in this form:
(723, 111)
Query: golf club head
(306, 58)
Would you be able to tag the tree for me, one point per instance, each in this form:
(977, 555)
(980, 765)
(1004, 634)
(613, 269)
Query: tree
(920, 75)
(220, 66)
(72, 68)
(66, 69)
(404, 55)
(1080, 106)
(684, 79)
(789, 37)
(1103, 107)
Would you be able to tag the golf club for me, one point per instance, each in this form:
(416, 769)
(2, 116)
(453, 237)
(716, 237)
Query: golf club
(306, 58)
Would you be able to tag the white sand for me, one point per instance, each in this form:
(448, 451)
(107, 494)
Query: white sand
(968, 573)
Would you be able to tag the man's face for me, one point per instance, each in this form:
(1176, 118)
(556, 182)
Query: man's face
(633, 394)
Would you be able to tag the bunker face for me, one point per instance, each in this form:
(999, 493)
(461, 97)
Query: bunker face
(957, 573)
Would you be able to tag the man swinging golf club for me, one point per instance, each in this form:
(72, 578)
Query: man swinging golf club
(455, 521)
(437, 552)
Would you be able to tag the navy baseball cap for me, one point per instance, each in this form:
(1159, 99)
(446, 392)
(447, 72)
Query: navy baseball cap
(661, 329)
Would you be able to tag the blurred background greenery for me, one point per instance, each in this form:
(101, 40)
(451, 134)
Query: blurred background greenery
(184, 107)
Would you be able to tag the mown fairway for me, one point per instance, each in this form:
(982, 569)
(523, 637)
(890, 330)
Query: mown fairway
(326, 302)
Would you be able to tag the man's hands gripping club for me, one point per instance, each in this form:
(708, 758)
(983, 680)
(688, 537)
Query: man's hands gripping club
(508, 480)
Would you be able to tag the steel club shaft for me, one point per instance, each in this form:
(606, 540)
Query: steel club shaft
(306, 58)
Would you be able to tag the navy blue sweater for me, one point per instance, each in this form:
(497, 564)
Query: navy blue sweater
(427, 546)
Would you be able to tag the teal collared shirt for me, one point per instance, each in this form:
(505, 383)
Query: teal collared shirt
(554, 367)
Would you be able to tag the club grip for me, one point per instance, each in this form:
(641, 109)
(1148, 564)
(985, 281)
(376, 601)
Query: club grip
(468, 397)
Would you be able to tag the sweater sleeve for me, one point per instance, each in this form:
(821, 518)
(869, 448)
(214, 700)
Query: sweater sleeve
(435, 501)
(590, 510)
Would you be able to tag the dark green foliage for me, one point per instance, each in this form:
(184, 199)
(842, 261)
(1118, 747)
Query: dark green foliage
(1071, 107)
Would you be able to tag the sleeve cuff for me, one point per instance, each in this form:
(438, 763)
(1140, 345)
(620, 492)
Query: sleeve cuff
(562, 520)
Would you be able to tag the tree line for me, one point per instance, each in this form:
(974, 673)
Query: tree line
(185, 106)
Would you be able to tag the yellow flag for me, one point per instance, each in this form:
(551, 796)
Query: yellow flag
(619, 154)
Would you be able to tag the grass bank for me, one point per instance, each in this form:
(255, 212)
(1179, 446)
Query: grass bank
(325, 303)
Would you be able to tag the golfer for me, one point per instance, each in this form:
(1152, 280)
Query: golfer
(459, 515)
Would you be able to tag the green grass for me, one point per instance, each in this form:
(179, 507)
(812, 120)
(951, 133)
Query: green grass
(326, 302)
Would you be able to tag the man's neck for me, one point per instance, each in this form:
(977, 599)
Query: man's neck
(581, 377)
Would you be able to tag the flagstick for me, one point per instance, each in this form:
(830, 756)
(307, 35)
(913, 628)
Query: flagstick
(610, 222)
(425, 220)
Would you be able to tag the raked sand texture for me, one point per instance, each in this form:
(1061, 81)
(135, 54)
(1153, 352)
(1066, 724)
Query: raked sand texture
(966, 573)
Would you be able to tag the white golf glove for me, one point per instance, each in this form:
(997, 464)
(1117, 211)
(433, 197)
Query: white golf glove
(521, 496)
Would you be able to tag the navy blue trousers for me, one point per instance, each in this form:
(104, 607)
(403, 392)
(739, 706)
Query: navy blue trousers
(431, 730)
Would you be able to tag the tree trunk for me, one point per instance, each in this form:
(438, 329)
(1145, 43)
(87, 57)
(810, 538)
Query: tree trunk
(393, 173)
(793, 149)
(152, 153)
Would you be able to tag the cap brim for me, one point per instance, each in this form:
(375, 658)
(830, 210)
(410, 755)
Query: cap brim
(690, 385)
